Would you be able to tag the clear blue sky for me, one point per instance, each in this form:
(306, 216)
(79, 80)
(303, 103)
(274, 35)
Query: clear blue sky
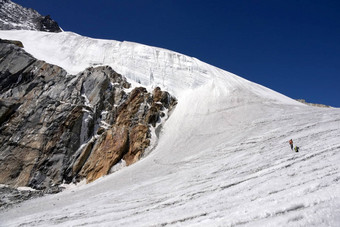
(291, 46)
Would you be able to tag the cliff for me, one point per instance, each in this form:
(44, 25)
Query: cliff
(56, 127)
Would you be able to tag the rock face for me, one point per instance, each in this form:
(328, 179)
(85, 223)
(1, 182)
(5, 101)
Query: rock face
(56, 127)
(15, 42)
(14, 16)
(10, 196)
(312, 104)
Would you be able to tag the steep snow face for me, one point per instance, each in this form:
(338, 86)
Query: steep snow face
(14, 16)
(222, 159)
(147, 65)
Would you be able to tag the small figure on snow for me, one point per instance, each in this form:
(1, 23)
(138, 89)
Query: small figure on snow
(291, 144)
(296, 149)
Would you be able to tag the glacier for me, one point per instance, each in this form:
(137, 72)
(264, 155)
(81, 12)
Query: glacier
(222, 159)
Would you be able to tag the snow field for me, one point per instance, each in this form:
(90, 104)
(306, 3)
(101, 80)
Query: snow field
(230, 166)
(222, 159)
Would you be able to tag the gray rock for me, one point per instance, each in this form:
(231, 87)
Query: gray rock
(14, 16)
(54, 126)
(10, 196)
(15, 42)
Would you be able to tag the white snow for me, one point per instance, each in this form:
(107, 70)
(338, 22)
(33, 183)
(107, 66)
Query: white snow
(19, 188)
(150, 66)
(222, 159)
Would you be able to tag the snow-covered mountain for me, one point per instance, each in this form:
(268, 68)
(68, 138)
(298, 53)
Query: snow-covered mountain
(147, 65)
(16, 17)
(222, 158)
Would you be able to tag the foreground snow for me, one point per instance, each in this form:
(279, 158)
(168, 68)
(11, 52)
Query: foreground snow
(214, 165)
(223, 159)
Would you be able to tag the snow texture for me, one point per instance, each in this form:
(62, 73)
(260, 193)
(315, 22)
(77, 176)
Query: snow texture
(222, 159)
(147, 65)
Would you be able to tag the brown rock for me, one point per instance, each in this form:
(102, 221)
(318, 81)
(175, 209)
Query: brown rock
(82, 158)
(127, 112)
(19, 163)
(152, 117)
(157, 94)
(107, 151)
(138, 141)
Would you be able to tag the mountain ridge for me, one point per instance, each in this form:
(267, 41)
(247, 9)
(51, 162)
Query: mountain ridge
(16, 17)
(150, 66)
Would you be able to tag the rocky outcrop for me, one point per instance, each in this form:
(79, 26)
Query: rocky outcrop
(106, 152)
(46, 23)
(15, 42)
(130, 135)
(10, 196)
(312, 104)
(56, 127)
(14, 16)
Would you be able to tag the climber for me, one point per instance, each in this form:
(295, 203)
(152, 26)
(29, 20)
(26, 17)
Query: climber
(296, 149)
(291, 144)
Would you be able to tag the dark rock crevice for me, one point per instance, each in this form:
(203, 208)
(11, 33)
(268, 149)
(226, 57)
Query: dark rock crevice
(6, 110)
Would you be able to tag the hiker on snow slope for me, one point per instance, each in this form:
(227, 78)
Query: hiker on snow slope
(291, 144)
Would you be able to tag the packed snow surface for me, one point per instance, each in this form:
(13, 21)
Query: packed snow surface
(223, 157)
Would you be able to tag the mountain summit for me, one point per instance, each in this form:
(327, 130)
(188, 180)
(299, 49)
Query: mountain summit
(16, 17)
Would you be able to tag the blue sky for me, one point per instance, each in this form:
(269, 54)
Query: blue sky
(290, 46)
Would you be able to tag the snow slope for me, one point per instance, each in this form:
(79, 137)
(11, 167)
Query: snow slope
(150, 66)
(223, 158)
